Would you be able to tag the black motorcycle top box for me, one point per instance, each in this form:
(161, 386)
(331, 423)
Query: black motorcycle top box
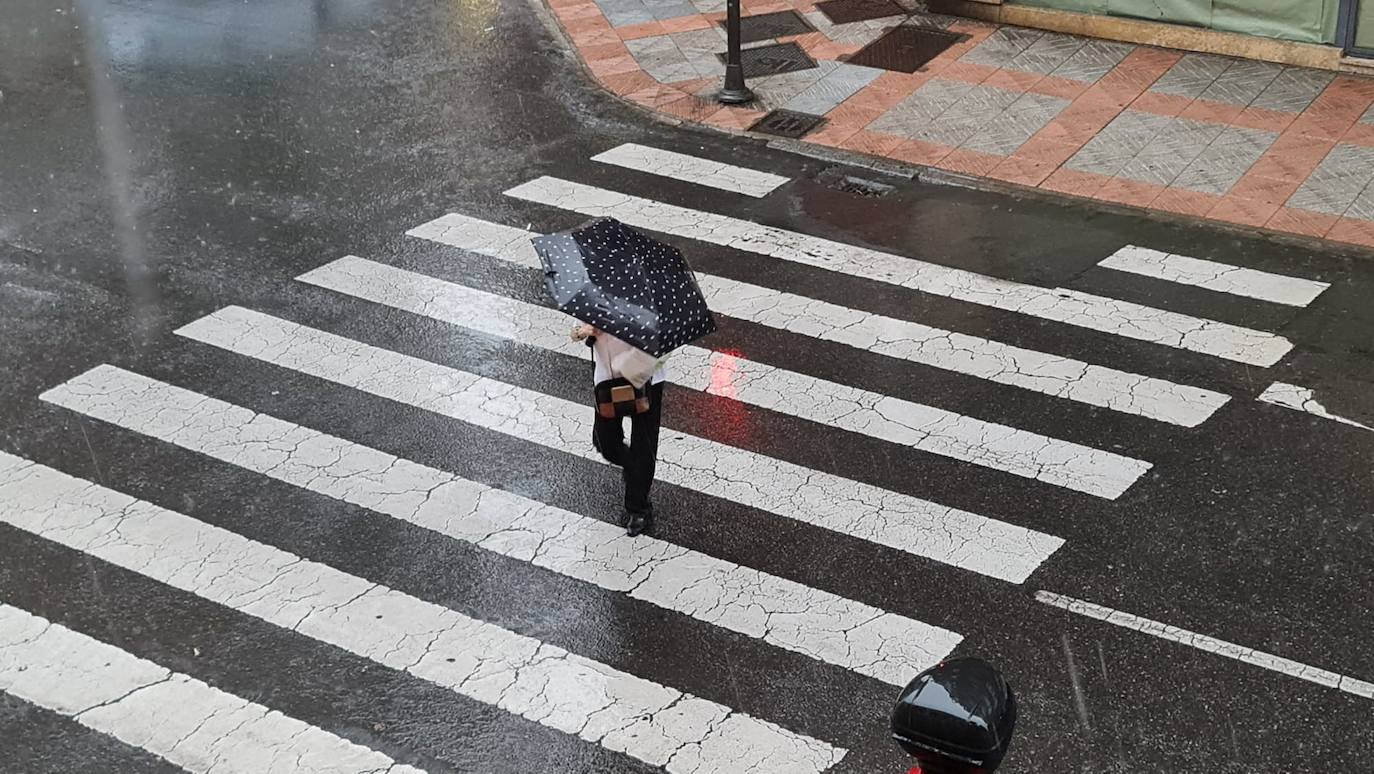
(956, 717)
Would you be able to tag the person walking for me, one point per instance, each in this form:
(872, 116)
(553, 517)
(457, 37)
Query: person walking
(639, 300)
(614, 359)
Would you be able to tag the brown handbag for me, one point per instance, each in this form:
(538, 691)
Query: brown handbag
(617, 398)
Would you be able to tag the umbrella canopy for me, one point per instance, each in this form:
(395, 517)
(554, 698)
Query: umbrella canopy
(633, 287)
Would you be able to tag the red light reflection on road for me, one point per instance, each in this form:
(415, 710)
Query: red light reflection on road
(732, 423)
(724, 367)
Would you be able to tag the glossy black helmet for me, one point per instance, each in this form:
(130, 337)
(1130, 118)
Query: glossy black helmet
(956, 717)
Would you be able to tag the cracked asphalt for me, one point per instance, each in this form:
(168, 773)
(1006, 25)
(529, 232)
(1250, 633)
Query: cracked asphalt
(367, 502)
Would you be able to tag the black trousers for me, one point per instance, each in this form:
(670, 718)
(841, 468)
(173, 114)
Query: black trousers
(639, 458)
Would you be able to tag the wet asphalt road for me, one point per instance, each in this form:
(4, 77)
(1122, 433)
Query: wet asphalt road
(230, 146)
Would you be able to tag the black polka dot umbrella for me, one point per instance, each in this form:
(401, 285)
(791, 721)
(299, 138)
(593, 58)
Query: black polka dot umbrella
(636, 288)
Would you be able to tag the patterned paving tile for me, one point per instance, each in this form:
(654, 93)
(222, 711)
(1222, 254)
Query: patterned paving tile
(1242, 82)
(708, 6)
(1002, 46)
(1170, 151)
(838, 83)
(700, 48)
(1225, 161)
(777, 91)
(1094, 60)
(660, 57)
(681, 56)
(859, 33)
(1293, 90)
(1047, 54)
(983, 113)
(1191, 75)
(1018, 123)
(924, 105)
(622, 13)
(1119, 142)
(951, 113)
(670, 9)
(703, 41)
(1363, 206)
(1337, 182)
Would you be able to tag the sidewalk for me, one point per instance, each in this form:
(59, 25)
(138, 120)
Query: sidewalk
(1249, 143)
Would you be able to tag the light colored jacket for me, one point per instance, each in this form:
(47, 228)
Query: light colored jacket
(615, 359)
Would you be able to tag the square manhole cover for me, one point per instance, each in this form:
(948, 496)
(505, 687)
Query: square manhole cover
(773, 60)
(846, 11)
(787, 123)
(905, 49)
(767, 26)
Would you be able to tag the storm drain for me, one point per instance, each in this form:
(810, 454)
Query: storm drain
(905, 49)
(787, 123)
(766, 26)
(773, 60)
(836, 179)
(846, 11)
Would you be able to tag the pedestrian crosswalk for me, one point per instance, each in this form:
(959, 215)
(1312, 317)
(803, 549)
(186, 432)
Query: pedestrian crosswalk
(185, 719)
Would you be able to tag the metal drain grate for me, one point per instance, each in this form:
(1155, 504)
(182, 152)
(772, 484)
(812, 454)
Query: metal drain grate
(787, 123)
(835, 179)
(773, 60)
(767, 26)
(846, 11)
(905, 49)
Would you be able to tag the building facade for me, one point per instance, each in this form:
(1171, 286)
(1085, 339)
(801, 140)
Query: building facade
(1348, 24)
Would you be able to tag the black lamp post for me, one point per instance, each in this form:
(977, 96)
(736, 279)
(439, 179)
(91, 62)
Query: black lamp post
(734, 92)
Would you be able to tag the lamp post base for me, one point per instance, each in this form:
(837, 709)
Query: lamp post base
(734, 92)
(737, 96)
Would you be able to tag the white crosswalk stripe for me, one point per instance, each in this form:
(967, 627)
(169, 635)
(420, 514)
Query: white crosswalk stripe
(171, 715)
(1302, 399)
(1071, 307)
(692, 169)
(929, 429)
(1220, 277)
(1259, 658)
(519, 674)
(789, 615)
(972, 355)
(955, 537)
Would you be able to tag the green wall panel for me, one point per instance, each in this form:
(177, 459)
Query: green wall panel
(1082, 6)
(1308, 21)
(1198, 13)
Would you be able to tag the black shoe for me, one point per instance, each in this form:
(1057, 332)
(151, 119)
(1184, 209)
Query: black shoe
(638, 521)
